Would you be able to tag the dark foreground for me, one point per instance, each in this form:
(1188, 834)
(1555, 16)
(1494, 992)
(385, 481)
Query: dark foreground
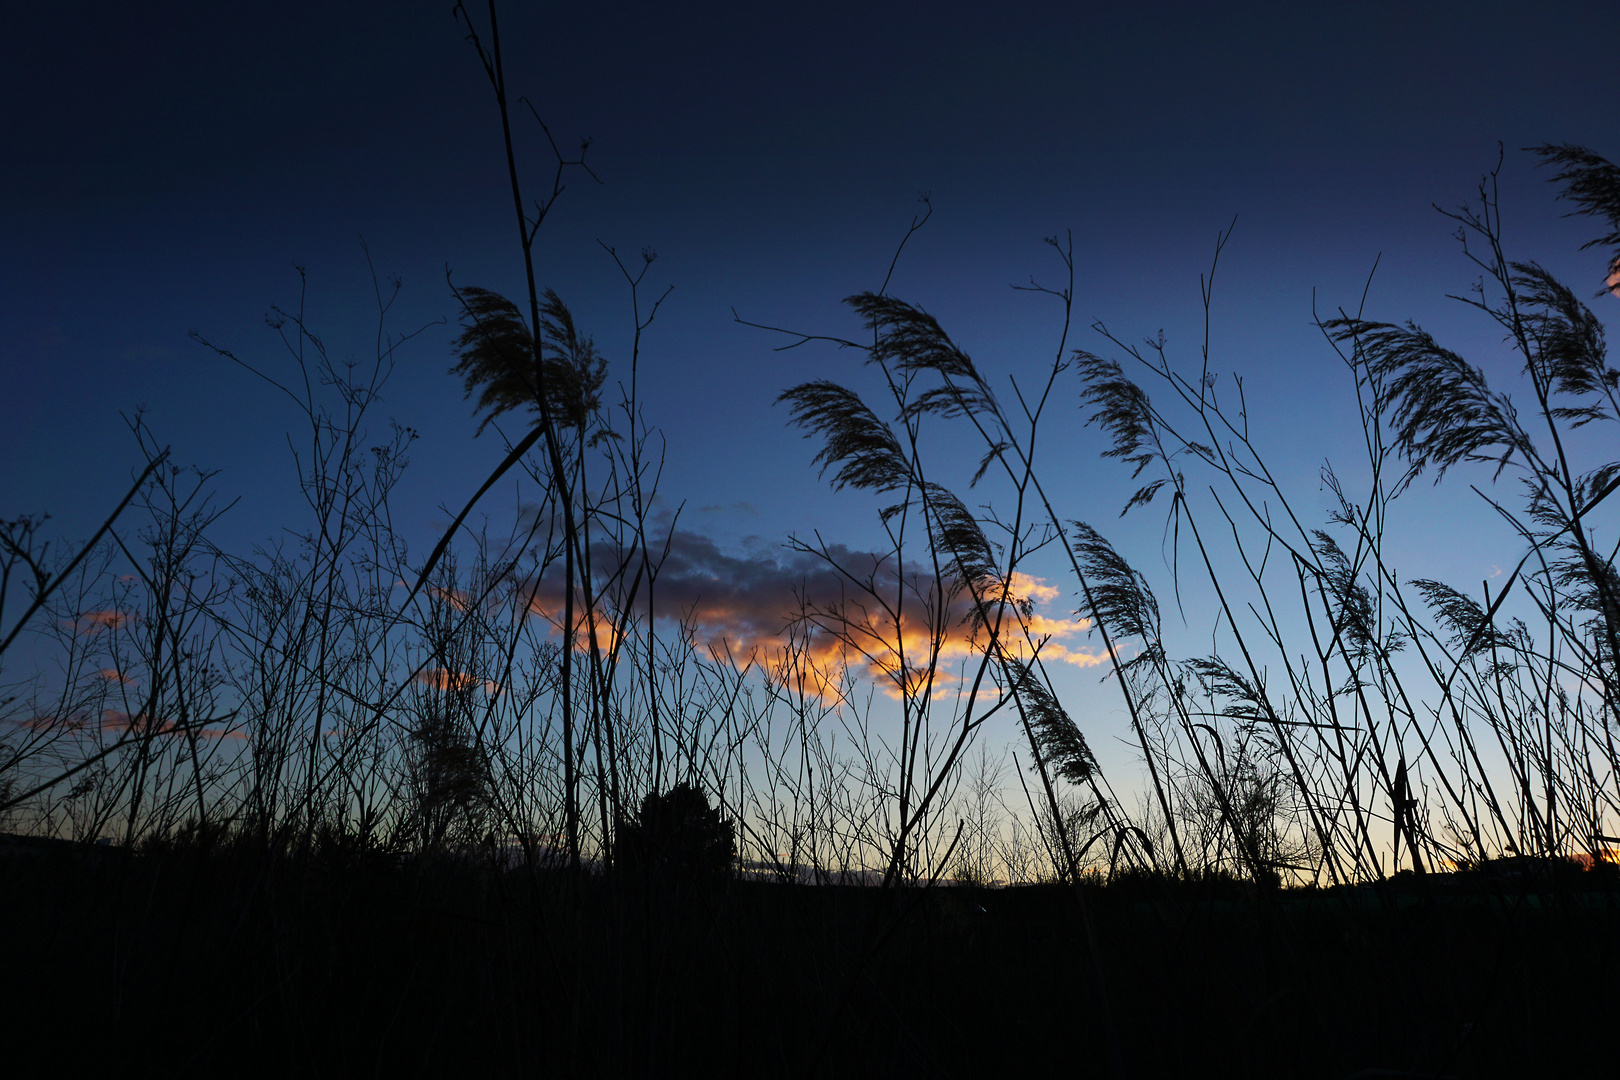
(177, 964)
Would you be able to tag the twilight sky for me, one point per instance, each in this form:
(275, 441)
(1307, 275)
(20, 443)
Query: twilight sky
(168, 165)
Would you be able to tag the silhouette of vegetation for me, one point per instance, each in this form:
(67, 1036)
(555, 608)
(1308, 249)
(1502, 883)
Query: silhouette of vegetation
(678, 835)
(497, 360)
(1375, 826)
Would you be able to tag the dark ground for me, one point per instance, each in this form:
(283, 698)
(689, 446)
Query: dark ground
(177, 964)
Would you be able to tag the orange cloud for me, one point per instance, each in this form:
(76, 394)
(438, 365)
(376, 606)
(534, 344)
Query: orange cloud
(456, 598)
(112, 675)
(753, 606)
(42, 722)
(91, 622)
(546, 603)
(1033, 588)
(1051, 631)
(440, 679)
(607, 635)
(117, 721)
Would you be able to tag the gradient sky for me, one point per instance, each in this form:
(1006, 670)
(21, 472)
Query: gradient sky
(168, 165)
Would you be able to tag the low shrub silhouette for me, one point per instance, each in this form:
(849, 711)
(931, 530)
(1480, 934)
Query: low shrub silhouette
(677, 834)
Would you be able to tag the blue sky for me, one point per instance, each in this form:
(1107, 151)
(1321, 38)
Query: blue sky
(167, 170)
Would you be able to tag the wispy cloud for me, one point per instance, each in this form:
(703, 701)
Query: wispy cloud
(118, 722)
(43, 722)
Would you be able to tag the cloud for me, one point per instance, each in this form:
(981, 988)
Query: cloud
(1033, 587)
(42, 722)
(456, 598)
(119, 722)
(91, 622)
(113, 675)
(867, 614)
(440, 679)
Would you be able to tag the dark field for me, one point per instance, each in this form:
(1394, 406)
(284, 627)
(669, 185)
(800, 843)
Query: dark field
(173, 963)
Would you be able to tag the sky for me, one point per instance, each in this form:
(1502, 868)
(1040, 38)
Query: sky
(168, 168)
